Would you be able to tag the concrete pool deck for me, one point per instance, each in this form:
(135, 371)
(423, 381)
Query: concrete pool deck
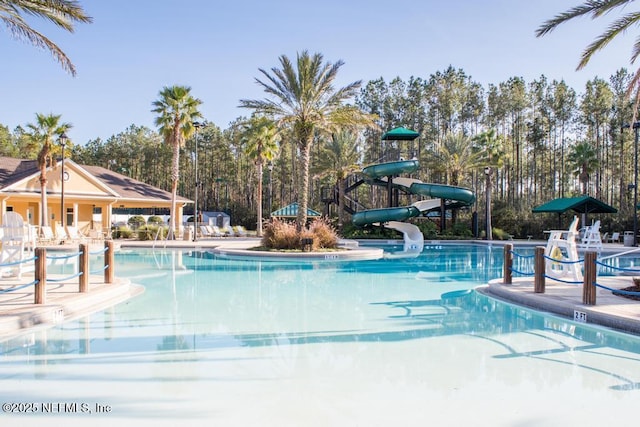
(18, 313)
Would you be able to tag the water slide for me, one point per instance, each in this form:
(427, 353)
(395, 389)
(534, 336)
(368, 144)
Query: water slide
(392, 216)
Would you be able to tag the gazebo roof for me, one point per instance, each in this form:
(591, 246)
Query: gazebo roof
(291, 211)
(582, 204)
(400, 134)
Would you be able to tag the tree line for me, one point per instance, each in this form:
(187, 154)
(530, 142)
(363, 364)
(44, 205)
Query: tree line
(547, 140)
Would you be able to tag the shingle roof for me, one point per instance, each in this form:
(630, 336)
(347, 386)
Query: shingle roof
(128, 187)
(13, 170)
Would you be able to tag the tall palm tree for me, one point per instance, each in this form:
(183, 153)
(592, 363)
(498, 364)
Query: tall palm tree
(43, 132)
(490, 148)
(597, 9)
(260, 136)
(63, 13)
(177, 109)
(455, 157)
(339, 158)
(304, 98)
(583, 158)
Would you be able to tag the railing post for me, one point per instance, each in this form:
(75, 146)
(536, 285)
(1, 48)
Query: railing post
(539, 281)
(83, 268)
(589, 285)
(507, 274)
(40, 275)
(109, 260)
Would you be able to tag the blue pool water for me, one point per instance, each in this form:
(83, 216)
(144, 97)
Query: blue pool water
(222, 342)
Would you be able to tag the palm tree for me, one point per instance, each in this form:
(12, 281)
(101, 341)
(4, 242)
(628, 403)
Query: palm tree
(597, 9)
(304, 98)
(584, 160)
(43, 132)
(490, 148)
(339, 158)
(63, 13)
(177, 110)
(455, 157)
(260, 136)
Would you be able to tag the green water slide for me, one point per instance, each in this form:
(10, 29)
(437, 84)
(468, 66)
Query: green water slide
(441, 191)
(371, 216)
(462, 196)
(391, 168)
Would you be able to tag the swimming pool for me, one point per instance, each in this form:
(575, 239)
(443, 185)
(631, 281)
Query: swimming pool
(223, 342)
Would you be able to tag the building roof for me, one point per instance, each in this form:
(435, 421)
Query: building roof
(129, 188)
(291, 211)
(13, 171)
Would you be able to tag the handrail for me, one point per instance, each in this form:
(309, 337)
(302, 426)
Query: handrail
(621, 253)
(40, 270)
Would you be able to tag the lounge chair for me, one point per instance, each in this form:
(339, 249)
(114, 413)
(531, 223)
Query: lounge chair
(47, 236)
(240, 230)
(226, 231)
(61, 234)
(75, 235)
(208, 231)
(615, 238)
(214, 231)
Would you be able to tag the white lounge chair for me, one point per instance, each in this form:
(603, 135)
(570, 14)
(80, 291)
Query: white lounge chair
(61, 234)
(228, 231)
(75, 235)
(209, 231)
(614, 238)
(47, 236)
(214, 230)
(240, 230)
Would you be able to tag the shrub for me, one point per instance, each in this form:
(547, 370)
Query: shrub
(500, 234)
(428, 228)
(136, 221)
(155, 220)
(122, 232)
(281, 235)
(148, 232)
(323, 234)
(370, 232)
(461, 229)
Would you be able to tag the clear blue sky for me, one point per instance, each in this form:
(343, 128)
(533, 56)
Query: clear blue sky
(135, 47)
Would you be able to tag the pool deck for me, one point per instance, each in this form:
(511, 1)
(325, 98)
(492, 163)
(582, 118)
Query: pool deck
(18, 313)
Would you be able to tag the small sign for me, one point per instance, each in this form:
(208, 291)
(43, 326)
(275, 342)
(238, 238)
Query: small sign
(580, 316)
(58, 316)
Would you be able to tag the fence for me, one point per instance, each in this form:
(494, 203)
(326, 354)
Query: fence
(589, 282)
(41, 259)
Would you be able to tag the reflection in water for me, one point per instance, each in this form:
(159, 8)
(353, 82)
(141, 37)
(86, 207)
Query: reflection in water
(208, 320)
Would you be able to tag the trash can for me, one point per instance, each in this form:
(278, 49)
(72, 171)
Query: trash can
(188, 233)
(628, 238)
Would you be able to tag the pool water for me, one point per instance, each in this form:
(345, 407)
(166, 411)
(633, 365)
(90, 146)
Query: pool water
(374, 343)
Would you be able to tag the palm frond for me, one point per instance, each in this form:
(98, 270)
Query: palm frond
(596, 8)
(617, 27)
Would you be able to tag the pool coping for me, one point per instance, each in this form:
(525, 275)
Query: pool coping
(359, 254)
(565, 300)
(19, 315)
